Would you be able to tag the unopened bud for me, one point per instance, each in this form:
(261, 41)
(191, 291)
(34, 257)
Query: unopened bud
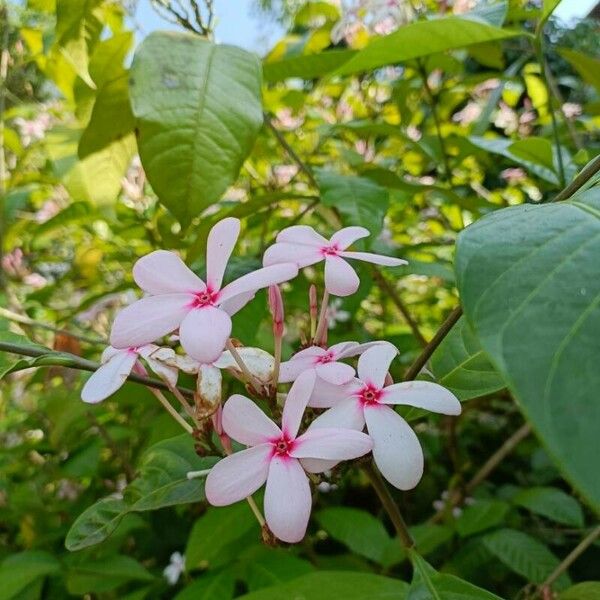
(388, 379)
(276, 308)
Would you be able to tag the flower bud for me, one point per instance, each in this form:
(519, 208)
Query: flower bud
(276, 308)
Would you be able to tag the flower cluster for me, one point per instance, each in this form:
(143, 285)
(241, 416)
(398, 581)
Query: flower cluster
(329, 401)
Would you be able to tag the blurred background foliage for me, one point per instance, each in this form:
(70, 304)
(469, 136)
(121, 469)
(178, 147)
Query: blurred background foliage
(414, 151)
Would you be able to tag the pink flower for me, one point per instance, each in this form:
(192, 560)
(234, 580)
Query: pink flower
(116, 367)
(276, 308)
(278, 456)
(396, 448)
(304, 246)
(180, 299)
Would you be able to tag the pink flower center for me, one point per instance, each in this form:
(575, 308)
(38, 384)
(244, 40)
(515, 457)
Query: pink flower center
(332, 250)
(282, 446)
(325, 358)
(205, 298)
(370, 395)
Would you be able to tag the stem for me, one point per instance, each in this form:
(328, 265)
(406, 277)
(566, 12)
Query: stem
(291, 152)
(436, 118)
(256, 511)
(585, 543)
(198, 474)
(160, 397)
(582, 178)
(4, 56)
(25, 320)
(278, 344)
(441, 333)
(184, 403)
(390, 506)
(395, 298)
(322, 325)
(66, 359)
(242, 365)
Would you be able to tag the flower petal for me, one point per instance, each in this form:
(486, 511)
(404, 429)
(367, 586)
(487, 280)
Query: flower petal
(327, 394)
(296, 402)
(259, 362)
(340, 278)
(347, 414)
(259, 279)
(287, 499)
(204, 333)
(396, 448)
(332, 444)
(378, 259)
(354, 349)
(335, 372)
(317, 465)
(109, 377)
(235, 304)
(348, 235)
(238, 476)
(219, 246)
(246, 423)
(148, 319)
(163, 272)
(299, 254)
(302, 234)
(374, 364)
(291, 369)
(422, 394)
(340, 350)
(151, 354)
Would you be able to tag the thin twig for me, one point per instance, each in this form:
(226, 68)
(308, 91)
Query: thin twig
(292, 153)
(437, 339)
(25, 320)
(388, 503)
(161, 398)
(395, 298)
(242, 365)
(585, 543)
(582, 178)
(72, 361)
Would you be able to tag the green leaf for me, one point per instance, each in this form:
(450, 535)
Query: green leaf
(482, 515)
(524, 555)
(360, 531)
(428, 584)
(552, 503)
(307, 66)
(588, 67)
(162, 482)
(267, 567)
(104, 574)
(198, 112)
(460, 364)
(216, 533)
(533, 156)
(359, 200)
(18, 571)
(528, 281)
(588, 590)
(423, 38)
(78, 26)
(211, 586)
(325, 585)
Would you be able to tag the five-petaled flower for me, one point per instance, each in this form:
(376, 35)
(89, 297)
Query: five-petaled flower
(116, 367)
(396, 449)
(302, 245)
(279, 457)
(180, 299)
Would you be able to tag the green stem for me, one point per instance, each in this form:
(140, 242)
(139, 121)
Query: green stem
(582, 178)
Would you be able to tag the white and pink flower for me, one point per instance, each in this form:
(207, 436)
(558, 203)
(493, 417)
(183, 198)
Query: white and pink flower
(278, 456)
(396, 449)
(178, 298)
(117, 365)
(302, 245)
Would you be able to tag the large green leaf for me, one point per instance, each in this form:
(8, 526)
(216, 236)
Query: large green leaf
(423, 38)
(428, 584)
(460, 364)
(198, 112)
(482, 515)
(551, 503)
(524, 555)
(18, 571)
(588, 590)
(306, 66)
(326, 585)
(360, 200)
(528, 278)
(266, 567)
(588, 67)
(162, 482)
(211, 586)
